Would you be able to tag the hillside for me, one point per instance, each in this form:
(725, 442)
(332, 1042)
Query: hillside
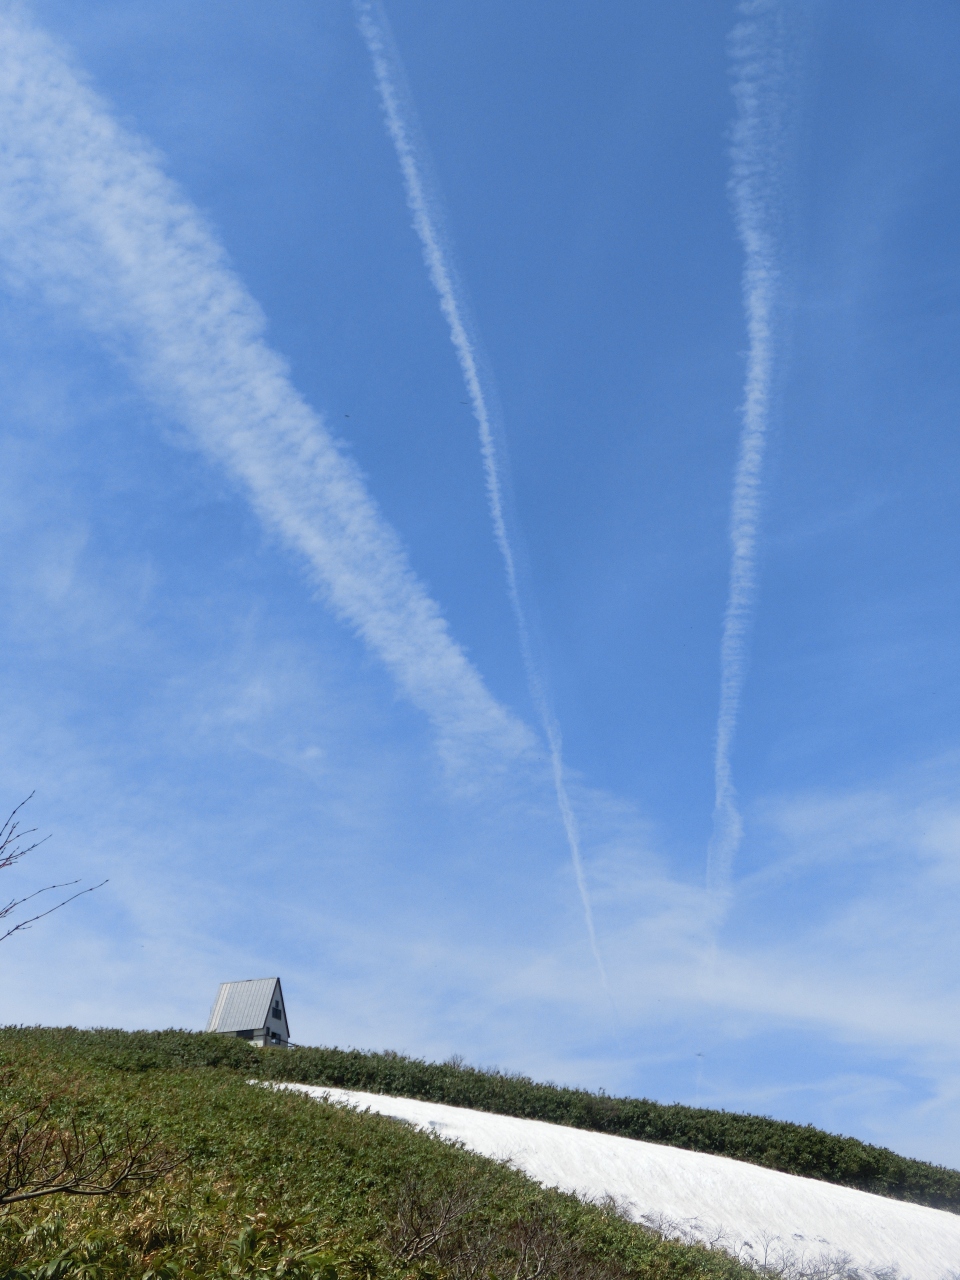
(266, 1183)
(800, 1227)
(774, 1144)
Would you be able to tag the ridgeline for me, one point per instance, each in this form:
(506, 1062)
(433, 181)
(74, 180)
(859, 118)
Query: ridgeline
(775, 1144)
(220, 1179)
(239, 1181)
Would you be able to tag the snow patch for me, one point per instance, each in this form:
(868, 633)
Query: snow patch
(777, 1221)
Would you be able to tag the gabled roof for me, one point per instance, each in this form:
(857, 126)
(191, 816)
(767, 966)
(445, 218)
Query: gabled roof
(245, 1006)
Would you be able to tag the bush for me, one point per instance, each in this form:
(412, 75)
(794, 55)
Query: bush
(775, 1144)
(272, 1183)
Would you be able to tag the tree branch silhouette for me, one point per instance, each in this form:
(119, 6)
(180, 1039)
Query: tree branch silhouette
(12, 849)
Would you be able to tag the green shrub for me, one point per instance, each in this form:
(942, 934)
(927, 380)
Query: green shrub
(272, 1183)
(776, 1144)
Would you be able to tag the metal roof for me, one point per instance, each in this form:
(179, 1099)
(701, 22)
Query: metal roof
(245, 1006)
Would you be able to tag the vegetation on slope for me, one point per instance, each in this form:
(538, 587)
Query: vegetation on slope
(776, 1144)
(255, 1182)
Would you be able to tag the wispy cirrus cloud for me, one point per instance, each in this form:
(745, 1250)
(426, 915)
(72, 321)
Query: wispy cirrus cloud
(758, 48)
(89, 220)
(425, 207)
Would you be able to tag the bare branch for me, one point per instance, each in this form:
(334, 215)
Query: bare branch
(425, 1220)
(11, 851)
(25, 924)
(11, 835)
(38, 1158)
(18, 902)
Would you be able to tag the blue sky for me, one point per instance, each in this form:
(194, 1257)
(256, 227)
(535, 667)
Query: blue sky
(259, 659)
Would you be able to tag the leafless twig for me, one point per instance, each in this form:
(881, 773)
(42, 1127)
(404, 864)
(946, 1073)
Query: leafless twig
(452, 1230)
(11, 835)
(424, 1221)
(18, 902)
(11, 851)
(40, 1157)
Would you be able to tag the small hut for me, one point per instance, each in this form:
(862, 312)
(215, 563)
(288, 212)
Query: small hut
(251, 1010)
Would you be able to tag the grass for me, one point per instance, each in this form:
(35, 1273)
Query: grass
(275, 1184)
(775, 1144)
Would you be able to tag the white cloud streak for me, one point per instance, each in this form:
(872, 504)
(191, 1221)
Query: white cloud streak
(89, 220)
(425, 207)
(757, 50)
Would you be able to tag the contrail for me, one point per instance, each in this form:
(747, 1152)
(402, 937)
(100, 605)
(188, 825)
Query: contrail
(425, 208)
(89, 220)
(759, 53)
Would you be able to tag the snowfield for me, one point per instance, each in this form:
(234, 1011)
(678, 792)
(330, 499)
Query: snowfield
(757, 1214)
